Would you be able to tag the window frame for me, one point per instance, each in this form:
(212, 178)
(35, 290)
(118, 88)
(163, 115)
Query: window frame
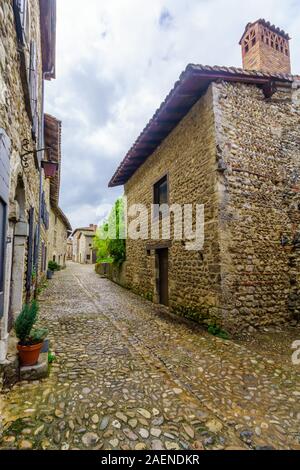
(156, 185)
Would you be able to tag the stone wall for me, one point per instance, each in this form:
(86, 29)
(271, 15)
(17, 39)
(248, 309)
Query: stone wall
(117, 274)
(188, 157)
(237, 153)
(58, 237)
(17, 123)
(258, 144)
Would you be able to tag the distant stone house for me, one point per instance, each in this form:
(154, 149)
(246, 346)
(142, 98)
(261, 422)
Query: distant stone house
(27, 59)
(229, 139)
(83, 251)
(69, 250)
(60, 228)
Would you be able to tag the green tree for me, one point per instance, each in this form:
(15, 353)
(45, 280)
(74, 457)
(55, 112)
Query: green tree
(109, 240)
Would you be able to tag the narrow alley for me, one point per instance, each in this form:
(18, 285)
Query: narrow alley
(129, 375)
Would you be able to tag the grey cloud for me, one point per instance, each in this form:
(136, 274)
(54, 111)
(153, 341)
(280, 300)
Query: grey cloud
(165, 18)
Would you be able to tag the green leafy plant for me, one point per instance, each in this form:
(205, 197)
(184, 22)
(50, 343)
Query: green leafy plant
(37, 335)
(51, 357)
(217, 331)
(109, 240)
(24, 325)
(53, 266)
(26, 320)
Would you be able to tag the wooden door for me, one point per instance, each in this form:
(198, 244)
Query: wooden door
(4, 197)
(3, 210)
(163, 262)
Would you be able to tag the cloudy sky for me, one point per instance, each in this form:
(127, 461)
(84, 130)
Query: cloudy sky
(117, 60)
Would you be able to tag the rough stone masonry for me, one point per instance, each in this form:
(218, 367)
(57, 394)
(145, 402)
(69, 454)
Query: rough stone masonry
(237, 152)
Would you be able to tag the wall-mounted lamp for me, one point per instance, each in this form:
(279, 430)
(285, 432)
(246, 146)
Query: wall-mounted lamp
(50, 167)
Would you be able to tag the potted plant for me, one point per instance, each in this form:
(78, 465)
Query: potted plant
(30, 339)
(52, 268)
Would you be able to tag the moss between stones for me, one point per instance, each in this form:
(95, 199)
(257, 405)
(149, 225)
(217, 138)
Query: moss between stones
(205, 316)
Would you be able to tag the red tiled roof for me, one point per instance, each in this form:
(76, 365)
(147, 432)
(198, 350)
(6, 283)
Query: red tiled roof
(192, 83)
(53, 140)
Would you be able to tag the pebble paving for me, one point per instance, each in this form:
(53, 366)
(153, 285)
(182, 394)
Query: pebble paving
(131, 376)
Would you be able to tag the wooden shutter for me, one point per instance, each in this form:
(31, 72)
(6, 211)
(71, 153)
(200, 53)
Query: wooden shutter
(21, 18)
(30, 251)
(4, 197)
(36, 249)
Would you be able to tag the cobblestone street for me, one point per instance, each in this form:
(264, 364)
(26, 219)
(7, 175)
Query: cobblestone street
(129, 375)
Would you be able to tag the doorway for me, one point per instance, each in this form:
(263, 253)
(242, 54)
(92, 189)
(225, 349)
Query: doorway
(163, 281)
(3, 210)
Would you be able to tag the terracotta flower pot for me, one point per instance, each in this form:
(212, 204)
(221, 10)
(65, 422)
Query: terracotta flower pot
(29, 355)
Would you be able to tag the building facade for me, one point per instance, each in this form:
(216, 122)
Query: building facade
(69, 250)
(27, 59)
(227, 139)
(83, 251)
(59, 226)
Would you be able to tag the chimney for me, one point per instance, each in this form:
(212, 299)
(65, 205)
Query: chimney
(265, 48)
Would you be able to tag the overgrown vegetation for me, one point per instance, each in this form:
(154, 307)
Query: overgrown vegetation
(109, 240)
(25, 332)
(51, 357)
(203, 317)
(216, 330)
(53, 266)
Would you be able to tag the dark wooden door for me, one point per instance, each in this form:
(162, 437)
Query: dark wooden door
(163, 261)
(2, 252)
(4, 197)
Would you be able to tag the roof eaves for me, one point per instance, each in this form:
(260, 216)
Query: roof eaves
(187, 90)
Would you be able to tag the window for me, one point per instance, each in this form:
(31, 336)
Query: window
(22, 16)
(161, 191)
(160, 195)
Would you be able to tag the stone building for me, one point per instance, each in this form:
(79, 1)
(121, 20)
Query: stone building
(83, 251)
(27, 59)
(60, 227)
(229, 139)
(69, 250)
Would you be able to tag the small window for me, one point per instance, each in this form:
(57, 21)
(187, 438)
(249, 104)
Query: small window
(253, 41)
(161, 195)
(246, 48)
(161, 191)
(88, 257)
